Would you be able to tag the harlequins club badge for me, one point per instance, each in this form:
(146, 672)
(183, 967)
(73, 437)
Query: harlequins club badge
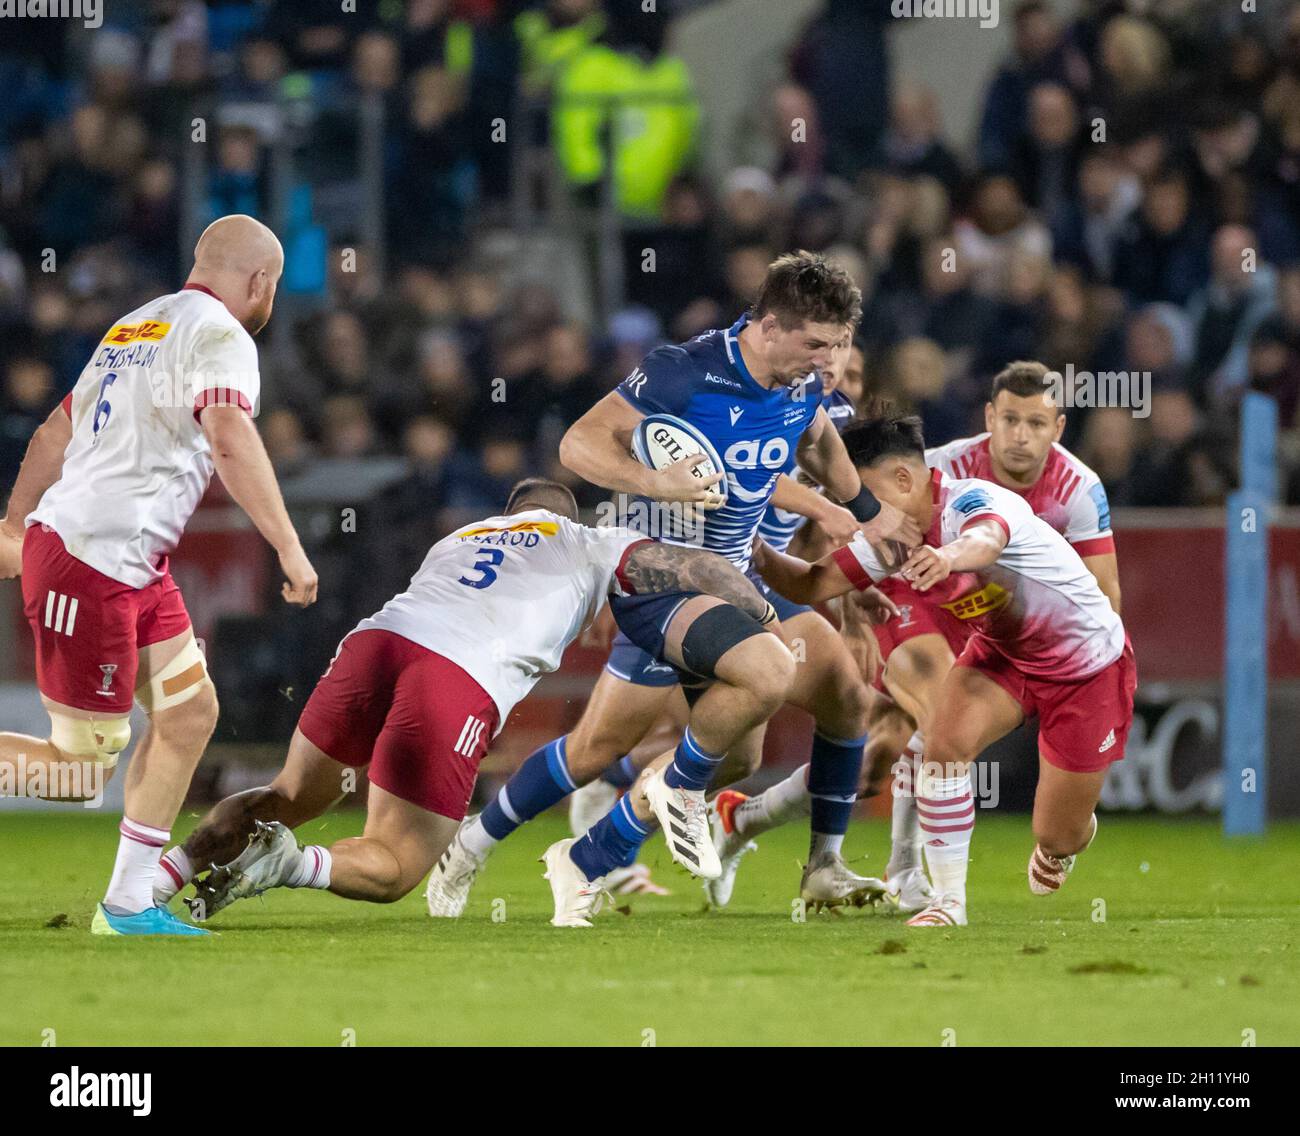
(109, 669)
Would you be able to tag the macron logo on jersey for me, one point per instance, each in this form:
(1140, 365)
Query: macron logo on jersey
(735, 412)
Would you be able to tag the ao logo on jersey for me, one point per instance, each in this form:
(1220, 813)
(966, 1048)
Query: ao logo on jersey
(751, 453)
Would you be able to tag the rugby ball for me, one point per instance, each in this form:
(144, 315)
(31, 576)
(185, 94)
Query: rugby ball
(661, 439)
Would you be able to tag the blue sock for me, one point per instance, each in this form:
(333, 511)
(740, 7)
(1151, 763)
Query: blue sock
(622, 774)
(692, 768)
(629, 857)
(833, 773)
(612, 842)
(540, 782)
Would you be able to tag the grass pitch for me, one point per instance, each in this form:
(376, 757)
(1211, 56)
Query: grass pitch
(1198, 943)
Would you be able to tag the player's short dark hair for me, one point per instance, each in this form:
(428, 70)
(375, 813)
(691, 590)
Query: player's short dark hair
(806, 287)
(542, 493)
(1022, 379)
(870, 440)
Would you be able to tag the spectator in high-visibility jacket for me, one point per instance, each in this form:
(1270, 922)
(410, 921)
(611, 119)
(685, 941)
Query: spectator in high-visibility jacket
(640, 108)
(550, 37)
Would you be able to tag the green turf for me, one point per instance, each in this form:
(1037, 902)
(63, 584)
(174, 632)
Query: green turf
(1199, 943)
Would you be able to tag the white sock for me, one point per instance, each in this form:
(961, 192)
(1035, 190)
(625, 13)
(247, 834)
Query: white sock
(174, 872)
(824, 842)
(139, 848)
(785, 801)
(313, 870)
(947, 813)
(477, 840)
(905, 826)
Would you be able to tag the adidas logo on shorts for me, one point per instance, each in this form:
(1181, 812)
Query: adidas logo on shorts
(1110, 741)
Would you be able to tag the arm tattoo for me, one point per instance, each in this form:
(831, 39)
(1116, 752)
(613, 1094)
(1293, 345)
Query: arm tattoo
(659, 567)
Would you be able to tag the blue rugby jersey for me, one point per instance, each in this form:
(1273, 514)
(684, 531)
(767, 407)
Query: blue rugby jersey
(777, 528)
(754, 430)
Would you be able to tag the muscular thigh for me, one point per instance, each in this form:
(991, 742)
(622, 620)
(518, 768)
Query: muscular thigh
(681, 623)
(914, 674)
(971, 712)
(311, 778)
(819, 654)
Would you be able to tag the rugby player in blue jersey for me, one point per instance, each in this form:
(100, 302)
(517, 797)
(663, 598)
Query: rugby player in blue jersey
(754, 391)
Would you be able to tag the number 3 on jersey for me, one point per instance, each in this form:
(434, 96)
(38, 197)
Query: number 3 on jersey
(489, 559)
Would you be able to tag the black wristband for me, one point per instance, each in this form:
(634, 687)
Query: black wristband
(864, 506)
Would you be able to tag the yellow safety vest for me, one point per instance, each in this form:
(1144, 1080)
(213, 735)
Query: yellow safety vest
(545, 50)
(651, 113)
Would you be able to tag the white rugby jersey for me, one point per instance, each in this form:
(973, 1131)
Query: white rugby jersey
(503, 598)
(1068, 495)
(1040, 607)
(139, 463)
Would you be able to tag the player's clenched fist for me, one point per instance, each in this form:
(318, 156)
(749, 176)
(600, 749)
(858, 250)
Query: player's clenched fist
(926, 567)
(300, 577)
(839, 524)
(679, 482)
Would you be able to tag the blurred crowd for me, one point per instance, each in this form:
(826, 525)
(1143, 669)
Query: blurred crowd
(1132, 204)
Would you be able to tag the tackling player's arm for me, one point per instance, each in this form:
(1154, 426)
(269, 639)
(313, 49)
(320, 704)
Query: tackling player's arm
(655, 567)
(798, 580)
(598, 448)
(1105, 569)
(822, 455)
(836, 574)
(980, 544)
(245, 469)
(792, 496)
(42, 465)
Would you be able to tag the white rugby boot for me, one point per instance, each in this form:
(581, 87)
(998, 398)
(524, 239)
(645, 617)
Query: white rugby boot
(945, 911)
(453, 875)
(829, 882)
(1048, 873)
(684, 817)
(577, 899)
(729, 844)
(269, 861)
(909, 891)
